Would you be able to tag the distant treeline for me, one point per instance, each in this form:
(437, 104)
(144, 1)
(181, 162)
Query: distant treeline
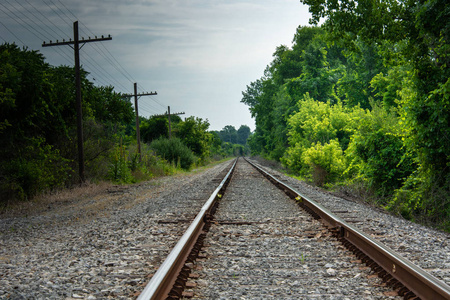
(362, 103)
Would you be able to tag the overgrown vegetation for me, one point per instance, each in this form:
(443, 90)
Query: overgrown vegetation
(38, 142)
(363, 103)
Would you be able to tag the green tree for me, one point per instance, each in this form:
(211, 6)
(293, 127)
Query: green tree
(194, 134)
(229, 134)
(242, 134)
(310, 66)
(362, 65)
(38, 153)
(317, 123)
(419, 29)
(154, 128)
(28, 163)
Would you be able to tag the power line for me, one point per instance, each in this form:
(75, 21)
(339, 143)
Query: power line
(64, 20)
(48, 19)
(21, 23)
(27, 17)
(32, 13)
(26, 28)
(114, 62)
(159, 103)
(97, 66)
(12, 33)
(30, 17)
(110, 59)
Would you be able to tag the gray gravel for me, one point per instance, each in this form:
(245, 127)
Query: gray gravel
(109, 246)
(425, 247)
(65, 254)
(277, 252)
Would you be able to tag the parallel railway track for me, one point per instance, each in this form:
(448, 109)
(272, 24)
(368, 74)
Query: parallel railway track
(410, 281)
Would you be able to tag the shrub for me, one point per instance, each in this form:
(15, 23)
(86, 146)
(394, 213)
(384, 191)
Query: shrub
(326, 162)
(422, 200)
(40, 168)
(119, 170)
(376, 152)
(174, 151)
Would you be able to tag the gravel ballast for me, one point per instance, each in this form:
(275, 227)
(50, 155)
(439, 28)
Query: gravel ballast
(65, 253)
(261, 245)
(109, 245)
(423, 246)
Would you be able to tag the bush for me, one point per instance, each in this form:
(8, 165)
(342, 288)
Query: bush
(376, 153)
(326, 162)
(119, 170)
(41, 168)
(422, 200)
(174, 151)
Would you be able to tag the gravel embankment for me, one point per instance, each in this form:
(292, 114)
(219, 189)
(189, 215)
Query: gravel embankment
(104, 247)
(425, 247)
(263, 246)
(109, 245)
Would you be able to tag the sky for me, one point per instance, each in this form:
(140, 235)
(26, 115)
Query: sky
(198, 55)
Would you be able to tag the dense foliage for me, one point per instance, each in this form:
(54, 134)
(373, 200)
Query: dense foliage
(363, 101)
(38, 141)
(232, 142)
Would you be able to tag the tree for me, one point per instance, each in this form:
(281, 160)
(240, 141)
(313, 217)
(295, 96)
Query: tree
(417, 32)
(28, 162)
(311, 66)
(38, 152)
(229, 134)
(154, 128)
(242, 134)
(194, 134)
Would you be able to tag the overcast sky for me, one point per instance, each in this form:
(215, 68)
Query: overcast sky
(198, 55)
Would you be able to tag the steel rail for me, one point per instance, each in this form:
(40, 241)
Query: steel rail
(163, 280)
(415, 279)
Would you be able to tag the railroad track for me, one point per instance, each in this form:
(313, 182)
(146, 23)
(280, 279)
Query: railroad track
(259, 245)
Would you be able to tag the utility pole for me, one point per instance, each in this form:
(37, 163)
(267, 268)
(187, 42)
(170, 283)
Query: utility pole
(136, 95)
(168, 114)
(76, 47)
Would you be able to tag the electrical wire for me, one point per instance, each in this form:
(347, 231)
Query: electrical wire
(36, 17)
(13, 34)
(31, 20)
(61, 35)
(38, 34)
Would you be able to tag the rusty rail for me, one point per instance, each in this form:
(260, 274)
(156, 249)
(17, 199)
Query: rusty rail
(165, 278)
(391, 266)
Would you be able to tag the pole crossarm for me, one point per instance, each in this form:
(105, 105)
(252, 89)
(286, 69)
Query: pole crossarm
(82, 41)
(138, 95)
(166, 114)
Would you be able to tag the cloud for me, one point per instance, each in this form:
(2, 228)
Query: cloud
(198, 54)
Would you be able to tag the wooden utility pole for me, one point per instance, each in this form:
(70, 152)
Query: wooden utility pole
(136, 95)
(76, 47)
(170, 123)
(168, 115)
